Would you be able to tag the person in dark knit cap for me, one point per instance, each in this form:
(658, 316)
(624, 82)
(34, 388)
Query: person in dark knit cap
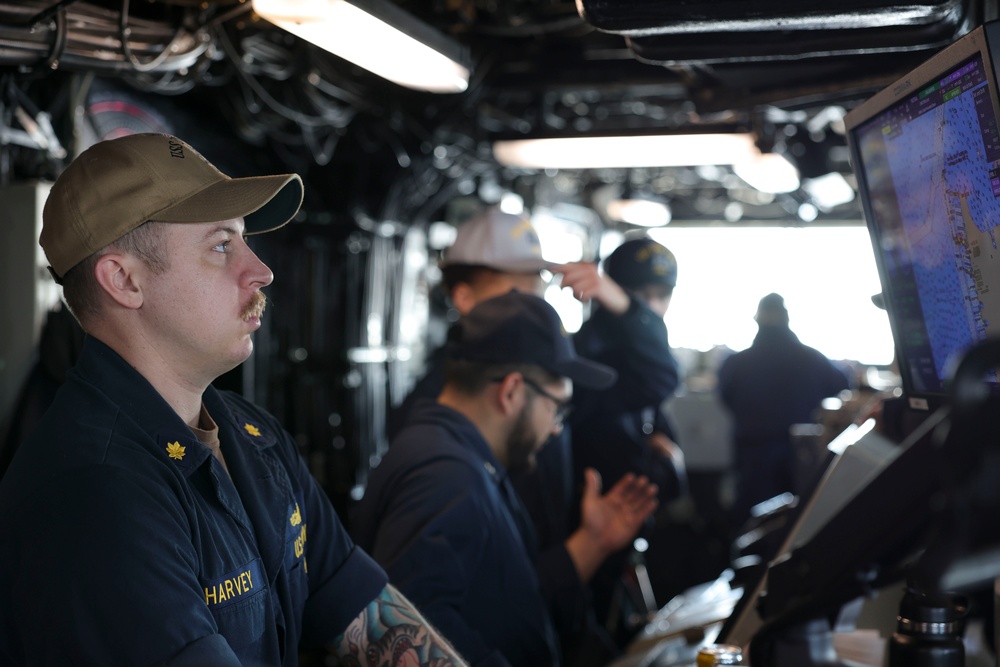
(622, 429)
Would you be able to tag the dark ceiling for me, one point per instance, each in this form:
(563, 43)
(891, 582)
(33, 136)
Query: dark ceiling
(380, 160)
(785, 71)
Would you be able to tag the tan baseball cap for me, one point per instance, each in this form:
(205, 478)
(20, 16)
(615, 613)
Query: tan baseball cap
(497, 240)
(116, 185)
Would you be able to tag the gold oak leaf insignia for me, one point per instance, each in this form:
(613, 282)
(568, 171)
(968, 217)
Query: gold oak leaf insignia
(175, 450)
(296, 517)
(251, 429)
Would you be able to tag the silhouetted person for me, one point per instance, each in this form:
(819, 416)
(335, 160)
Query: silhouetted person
(776, 382)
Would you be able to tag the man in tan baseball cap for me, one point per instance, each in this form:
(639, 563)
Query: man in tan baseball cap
(115, 186)
(150, 518)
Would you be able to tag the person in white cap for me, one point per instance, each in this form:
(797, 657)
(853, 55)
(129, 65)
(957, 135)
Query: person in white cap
(150, 518)
(493, 253)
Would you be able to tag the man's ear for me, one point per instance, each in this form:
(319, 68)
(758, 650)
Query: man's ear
(511, 393)
(115, 273)
(463, 297)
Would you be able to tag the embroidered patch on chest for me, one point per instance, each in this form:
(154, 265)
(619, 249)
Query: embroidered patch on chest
(235, 586)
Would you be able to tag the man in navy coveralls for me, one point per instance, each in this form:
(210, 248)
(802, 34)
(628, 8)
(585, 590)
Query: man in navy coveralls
(151, 519)
(441, 515)
(776, 382)
(623, 429)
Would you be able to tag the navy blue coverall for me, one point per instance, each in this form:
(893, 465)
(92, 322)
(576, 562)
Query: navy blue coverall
(609, 427)
(125, 542)
(546, 491)
(442, 517)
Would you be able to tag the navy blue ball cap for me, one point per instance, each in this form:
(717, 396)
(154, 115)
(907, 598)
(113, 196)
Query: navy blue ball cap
(641, 262)
(521, 328)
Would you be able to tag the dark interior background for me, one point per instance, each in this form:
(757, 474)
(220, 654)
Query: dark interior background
(352, 307)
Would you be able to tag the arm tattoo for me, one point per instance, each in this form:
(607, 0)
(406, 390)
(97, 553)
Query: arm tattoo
(390, 632)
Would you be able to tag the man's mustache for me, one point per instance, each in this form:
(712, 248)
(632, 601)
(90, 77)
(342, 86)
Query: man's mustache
(256, 306)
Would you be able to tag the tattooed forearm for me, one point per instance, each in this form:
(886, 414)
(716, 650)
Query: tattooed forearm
(390, 632)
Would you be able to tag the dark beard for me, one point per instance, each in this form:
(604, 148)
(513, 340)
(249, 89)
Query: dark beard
(522, 445)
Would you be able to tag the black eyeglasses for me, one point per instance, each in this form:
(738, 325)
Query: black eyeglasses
(563, 406)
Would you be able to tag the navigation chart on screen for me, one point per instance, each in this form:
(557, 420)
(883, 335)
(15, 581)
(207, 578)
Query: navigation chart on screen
(943, 150)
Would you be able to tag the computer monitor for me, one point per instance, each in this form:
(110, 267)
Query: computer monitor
(926, 151)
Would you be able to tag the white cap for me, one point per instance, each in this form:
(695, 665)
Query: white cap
(497, 240)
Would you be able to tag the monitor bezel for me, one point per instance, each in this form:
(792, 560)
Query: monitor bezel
(976, 42)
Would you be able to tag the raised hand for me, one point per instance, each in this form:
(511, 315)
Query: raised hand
(609, 521)
(588, 283)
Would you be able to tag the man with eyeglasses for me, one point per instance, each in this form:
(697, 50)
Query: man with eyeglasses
(493, 253)
(441, 515)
